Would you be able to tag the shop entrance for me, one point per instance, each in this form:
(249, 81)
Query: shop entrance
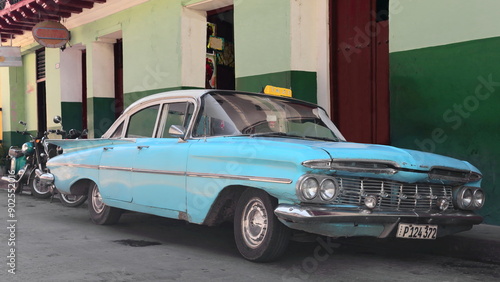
(220, 63)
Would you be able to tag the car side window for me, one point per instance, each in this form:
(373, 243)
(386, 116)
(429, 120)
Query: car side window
(142, 123)
(174, 114)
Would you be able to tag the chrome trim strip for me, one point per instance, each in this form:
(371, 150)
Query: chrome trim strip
(75, 165)
(240, 177)
(180, 173)
(154, 171)
(115, 168)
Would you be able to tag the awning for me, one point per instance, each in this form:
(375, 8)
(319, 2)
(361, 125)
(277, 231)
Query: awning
(19, 16)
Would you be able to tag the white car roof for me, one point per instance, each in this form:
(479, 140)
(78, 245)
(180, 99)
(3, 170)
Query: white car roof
(195, 93)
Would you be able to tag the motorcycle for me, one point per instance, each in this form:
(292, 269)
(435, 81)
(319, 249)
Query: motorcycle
(23, 162)
(27, 164)
(50, 151)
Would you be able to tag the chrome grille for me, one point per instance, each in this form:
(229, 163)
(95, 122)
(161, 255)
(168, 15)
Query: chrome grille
(393, 195)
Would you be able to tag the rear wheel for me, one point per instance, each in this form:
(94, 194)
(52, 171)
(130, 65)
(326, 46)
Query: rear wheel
(100, 213)
(39, 191)
(259, 235)
(70, 200)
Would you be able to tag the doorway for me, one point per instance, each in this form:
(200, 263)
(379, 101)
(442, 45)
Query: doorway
(84, 89)
(360, 69)
(118, 60)
(220, 64)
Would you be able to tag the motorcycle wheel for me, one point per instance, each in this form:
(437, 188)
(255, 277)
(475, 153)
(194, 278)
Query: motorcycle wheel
(37, 190)
(70, 200)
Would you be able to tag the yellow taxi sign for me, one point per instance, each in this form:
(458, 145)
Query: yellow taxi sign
(277, 91)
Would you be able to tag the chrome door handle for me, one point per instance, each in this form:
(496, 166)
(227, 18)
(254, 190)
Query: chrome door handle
(142, 147)
(107, 148)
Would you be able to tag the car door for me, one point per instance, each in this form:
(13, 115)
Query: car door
(117, 160)
(159, 170)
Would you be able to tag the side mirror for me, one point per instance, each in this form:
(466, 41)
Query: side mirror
(177, 131)
(57, 119)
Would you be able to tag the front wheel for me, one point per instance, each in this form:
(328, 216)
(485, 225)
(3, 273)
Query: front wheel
(39, 191)
(100, 213)
(259, 235)
(70, 200)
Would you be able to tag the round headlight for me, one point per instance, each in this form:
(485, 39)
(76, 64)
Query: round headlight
(478, 199)
(309, 188)
(466, 197)
(443, 204)
(328, 189)
(371, 201)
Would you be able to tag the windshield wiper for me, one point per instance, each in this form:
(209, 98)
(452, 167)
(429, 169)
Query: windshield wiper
(274, 134)
(321, 138)
(284, 134)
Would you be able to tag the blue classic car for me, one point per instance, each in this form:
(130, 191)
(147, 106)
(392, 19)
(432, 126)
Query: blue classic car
(268, 164)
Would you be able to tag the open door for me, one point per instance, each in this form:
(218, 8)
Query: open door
(360, 69)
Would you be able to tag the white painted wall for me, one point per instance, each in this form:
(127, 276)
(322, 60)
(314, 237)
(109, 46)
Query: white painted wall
(304, 24)
(309, 36)
(193, 36)
(103, 71)
(71, 75)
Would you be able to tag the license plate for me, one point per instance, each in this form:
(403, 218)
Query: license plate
(417, 231)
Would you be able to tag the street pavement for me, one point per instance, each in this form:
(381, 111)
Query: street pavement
(482, 242)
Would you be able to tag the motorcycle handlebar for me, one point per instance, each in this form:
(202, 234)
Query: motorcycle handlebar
(57, 131)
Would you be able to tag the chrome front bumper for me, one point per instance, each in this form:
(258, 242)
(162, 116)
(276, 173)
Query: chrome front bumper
(346, 222)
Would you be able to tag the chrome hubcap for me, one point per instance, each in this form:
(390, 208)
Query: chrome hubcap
(254, 223)
(97, 203)
(39, 188)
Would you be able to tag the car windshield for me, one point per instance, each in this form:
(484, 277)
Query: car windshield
(238, 114)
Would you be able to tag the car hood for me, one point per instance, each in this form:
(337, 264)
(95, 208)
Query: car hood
(404, 158)
(408, 159)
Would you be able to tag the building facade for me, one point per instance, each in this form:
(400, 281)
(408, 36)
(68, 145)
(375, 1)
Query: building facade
(445, 84)
(388, 71)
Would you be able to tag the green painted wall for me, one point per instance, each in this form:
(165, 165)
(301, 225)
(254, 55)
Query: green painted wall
(446, 100)
(29, 91)
(71, 113)
(13, 105)
(53, 84)
(303, 84)
(103, 117)
(262, 37)
(151, 44)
